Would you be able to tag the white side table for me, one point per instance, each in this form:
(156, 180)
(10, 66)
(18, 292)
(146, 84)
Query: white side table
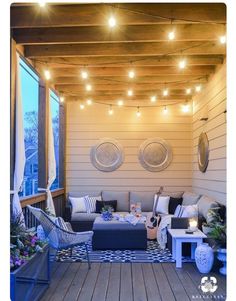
(178, 237)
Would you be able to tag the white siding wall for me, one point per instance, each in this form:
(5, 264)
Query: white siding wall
(85, 128)
(211, 102)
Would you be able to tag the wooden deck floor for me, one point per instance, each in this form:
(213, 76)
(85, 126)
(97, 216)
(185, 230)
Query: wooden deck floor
(127, 282)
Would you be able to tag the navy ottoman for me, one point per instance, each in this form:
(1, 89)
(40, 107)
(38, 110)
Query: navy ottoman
(118, 235)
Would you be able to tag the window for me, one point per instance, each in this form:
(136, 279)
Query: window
(30, 96)
(54, 103)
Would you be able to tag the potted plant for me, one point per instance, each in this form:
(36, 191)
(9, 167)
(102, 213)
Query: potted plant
(29, 263)
(107, 213)
(213, 218)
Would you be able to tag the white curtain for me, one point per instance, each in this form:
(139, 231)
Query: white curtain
(51, 166)
(19, 147)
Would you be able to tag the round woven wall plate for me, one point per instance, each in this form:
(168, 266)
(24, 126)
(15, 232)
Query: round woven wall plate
(107, 155)
(203, 152)
(155, 154)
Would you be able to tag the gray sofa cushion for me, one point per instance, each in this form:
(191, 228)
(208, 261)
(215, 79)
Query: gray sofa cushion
(82, 217)
(145, 198)
(122, 198)
(206, 203)
(190, 198)
(84, 193)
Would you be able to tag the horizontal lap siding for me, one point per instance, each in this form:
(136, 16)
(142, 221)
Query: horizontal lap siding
(211, 102)
(85, 128)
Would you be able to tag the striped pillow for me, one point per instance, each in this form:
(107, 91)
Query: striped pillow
(90, 203)
(179, 211)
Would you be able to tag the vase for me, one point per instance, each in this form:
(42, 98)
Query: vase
(204, 258)
(222, 256)
(107, 216)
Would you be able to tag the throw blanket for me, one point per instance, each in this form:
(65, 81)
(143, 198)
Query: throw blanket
(162, 230)
(130, 218)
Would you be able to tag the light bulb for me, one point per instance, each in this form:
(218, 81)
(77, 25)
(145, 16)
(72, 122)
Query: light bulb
(171, 35)
(47, 74)
(88, 87)
(153, 98)
(138, 113)
(188, 91)
(110, 111)
(112, 22)
(62, 99)
(89, 102)
(198, 88)
(131, 74)
(182, 64)
(41, 3)
(84, 74)
(81, 106)
(120, 103)
(223, 39)
(165, 92)
(130, 92)
(185, 108)
(165, 111)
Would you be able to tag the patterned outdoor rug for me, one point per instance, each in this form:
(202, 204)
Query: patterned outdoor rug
(153, 254)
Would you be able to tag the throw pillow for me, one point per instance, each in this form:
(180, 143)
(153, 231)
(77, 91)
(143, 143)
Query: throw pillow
(78, 204)
(178, 211)
(173, 203)
(161, 204)
(90, 203)
(190, 211)
(101, 204)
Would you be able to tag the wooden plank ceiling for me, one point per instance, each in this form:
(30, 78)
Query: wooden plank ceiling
(69, 38)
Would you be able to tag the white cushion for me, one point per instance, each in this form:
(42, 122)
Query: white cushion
(78, 204)
(190, 211)
(162, 204)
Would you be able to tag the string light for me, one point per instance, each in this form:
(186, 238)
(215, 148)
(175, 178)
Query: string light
(185, 108)
(41, 3)
(88, 87)
(130, 92)
(62, 99)
(165, 92)
(84, 74)
(182, 64)
(138, 113)
(188, 91)
(131, 74)
(223, 39)
(165, 111)
(112, 22)
(82, 106)
(47, 74)
(120, 103)
(110, 111)
(198, 88)
(89, 102)
(153, 98)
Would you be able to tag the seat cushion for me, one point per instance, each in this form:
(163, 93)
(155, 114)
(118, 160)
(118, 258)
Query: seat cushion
(190, 198)
(75, 217)
(145, 198)
(122, 198)
(206, 203)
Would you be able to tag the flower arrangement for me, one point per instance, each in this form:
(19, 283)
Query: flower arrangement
(107, 213)
(23, 243)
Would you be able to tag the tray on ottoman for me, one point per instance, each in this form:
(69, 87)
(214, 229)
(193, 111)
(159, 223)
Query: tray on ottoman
(118, 235)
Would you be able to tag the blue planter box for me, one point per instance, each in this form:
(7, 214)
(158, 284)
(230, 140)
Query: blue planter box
(29, 282)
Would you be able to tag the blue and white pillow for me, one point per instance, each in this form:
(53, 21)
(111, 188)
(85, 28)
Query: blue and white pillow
(90, 203)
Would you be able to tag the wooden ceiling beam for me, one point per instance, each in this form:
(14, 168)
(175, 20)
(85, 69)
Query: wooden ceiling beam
(125, 49)
(139, 71)
(102, 34)
(176, 79)
(126, 14)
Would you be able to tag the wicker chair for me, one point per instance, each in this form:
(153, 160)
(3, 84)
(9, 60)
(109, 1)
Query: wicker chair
(59, 238)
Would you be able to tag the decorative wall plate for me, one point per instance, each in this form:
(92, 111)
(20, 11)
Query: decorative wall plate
(155, 154)
(203, 152)
(107, 155)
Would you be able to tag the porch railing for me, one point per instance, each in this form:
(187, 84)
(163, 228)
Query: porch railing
(39, 201)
